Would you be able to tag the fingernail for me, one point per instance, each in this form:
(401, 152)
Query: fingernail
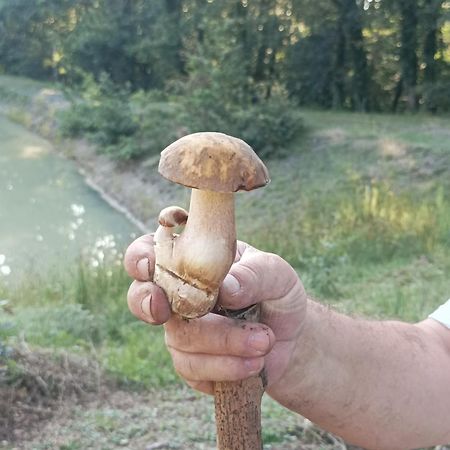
(254, 365)
(142, 268)
(231, 285)
(259, 341)
(146, 306)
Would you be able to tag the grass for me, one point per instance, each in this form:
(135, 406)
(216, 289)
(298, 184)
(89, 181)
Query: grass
(85, 312)
(360, 208)
(363, 202)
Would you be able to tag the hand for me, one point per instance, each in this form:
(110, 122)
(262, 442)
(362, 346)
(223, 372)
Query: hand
(217, 348)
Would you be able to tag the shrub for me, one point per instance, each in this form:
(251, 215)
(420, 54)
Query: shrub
(436, 96)
(134, 126)
(268, 126)
(103, 115)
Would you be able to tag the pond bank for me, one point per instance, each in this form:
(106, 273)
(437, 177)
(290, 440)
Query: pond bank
(48, 212)
(136, 191)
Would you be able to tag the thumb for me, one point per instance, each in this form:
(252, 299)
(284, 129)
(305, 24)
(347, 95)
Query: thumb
(257, 277)
(268, 279)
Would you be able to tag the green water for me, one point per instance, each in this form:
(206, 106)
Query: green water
(48, 215)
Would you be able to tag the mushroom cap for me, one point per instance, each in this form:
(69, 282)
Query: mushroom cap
(214, 162)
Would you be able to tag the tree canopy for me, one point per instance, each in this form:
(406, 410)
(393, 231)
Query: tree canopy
(361, 55)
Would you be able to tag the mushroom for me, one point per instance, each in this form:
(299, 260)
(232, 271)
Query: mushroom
(191, 266)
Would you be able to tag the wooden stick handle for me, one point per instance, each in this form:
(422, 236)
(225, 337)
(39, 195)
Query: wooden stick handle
(238, 403)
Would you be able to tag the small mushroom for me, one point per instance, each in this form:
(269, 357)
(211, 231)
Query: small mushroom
(191, 266)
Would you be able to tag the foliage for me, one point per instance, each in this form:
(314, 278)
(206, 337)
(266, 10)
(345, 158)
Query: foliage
(352, 54)
(309, 69)
(103, 115)
(436, 96)
(268, 126)
(142, 124)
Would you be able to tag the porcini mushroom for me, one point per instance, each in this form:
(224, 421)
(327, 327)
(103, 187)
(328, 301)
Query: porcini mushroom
(190, 267)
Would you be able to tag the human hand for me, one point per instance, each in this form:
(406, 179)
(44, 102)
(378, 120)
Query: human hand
(217, 348)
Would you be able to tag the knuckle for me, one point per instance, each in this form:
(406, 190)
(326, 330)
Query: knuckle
(228, 344)
(274, 261)
(248, 278)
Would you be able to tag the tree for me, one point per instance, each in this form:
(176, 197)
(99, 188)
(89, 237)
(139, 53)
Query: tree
(408, 54)
(350, 19)
(330, 52)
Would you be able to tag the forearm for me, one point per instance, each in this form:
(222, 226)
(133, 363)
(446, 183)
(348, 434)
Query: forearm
(376, 384)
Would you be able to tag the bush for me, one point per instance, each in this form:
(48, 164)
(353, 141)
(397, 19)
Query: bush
(436, 97)
(142, 124)
(103, 115)
(107, 122)
(268, 126)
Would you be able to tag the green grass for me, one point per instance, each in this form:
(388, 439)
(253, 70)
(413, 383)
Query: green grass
(360, 208)
(84, 311)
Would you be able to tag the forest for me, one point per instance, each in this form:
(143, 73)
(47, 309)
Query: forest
(237, 65)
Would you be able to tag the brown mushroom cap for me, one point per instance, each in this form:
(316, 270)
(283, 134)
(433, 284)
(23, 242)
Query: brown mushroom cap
(214, 162)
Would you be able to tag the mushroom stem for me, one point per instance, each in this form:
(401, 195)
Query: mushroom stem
(191, 267)
(207, 246)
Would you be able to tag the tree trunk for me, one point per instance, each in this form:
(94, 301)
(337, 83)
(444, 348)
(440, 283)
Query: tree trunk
(360, 79)
(408, 51)
(431, 16)
(338, 90)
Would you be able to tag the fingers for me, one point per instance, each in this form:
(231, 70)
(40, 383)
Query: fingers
(218, 335)
(139, 260)
(216, 348)
(256, 277)
(148, 303)
(199, 367)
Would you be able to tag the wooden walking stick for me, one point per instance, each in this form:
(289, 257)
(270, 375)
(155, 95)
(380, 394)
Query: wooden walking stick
(190, 267)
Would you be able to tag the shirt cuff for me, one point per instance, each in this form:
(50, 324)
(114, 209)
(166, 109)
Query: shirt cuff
(442, 314)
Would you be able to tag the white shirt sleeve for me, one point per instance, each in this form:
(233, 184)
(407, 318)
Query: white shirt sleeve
(442, 314)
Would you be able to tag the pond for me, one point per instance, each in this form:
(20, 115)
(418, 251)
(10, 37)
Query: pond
(48, 215)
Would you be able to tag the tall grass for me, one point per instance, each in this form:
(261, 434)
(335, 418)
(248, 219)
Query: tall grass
(342, 233)
(84, 310)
